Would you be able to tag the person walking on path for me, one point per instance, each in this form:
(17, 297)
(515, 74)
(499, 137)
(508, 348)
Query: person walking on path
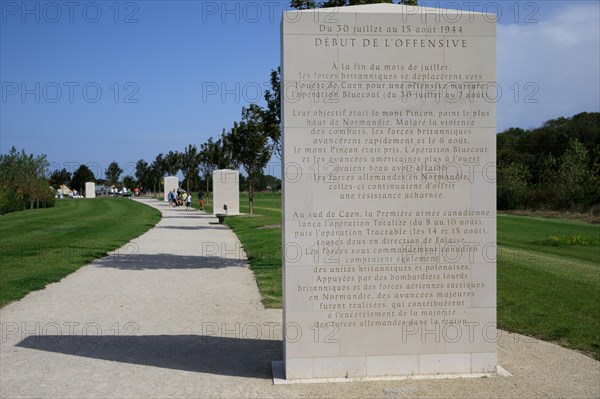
(188, 202)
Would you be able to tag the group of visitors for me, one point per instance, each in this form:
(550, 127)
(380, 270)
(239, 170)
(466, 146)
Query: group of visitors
(180, 198)
(115, 191)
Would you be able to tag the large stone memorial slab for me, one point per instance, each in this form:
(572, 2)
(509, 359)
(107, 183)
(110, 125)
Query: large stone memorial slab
(226, 191)
(389, 192)
(90, 190)
(171, 183)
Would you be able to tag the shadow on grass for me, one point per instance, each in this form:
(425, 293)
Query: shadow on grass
(249, 358)
(172, 262)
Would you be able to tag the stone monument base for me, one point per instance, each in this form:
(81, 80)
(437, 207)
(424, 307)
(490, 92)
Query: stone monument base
(278, 370)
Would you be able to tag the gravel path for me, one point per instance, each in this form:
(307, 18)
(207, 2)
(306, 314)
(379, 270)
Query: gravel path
(176, 313)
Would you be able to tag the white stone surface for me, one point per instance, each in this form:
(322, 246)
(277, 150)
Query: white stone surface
(171, 183)
(389, 192)
(90, 190)
(226, 191)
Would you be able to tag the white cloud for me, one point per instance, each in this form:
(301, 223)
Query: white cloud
(560, 56)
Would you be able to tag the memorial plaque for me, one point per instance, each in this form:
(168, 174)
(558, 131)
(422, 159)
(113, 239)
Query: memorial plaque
(226, 191)
(90, 190)
(389, 197)
(171, 183)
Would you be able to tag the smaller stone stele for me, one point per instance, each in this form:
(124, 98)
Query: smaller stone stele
(90, 190)
(171, 183)
(226, 192)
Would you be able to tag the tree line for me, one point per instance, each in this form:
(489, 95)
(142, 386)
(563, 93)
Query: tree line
(23, 182)
(555, 166)
(249, 144)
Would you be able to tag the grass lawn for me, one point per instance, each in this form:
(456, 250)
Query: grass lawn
(548, 272)
(261, 237)
(42, 246)
(549, 280)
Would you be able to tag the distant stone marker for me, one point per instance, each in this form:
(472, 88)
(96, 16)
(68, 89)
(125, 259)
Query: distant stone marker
(171, 183)
(389, 192)
(226, 191)
(90, 190)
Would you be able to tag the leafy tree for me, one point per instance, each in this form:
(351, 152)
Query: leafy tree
(250, 147)
(23, 182)
(209, 154)
(512, 187)
(82, 175)
(215, 155)
(562, 158)
(190, 160)
(157, 171)
(307, 4)
(510, 146)
(193, 182)
(243, 183)
(266, 181)
(303, 4)
(158, 165)
(343, 3)
(580, 183)
(172, 163)
(334, 3)
(224, 156)
(272, 115)
(59, 177)
(113, 172)
(128, 183)
(143, 173)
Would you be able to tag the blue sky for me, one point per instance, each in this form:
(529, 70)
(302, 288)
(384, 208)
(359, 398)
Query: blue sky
(93, 82)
